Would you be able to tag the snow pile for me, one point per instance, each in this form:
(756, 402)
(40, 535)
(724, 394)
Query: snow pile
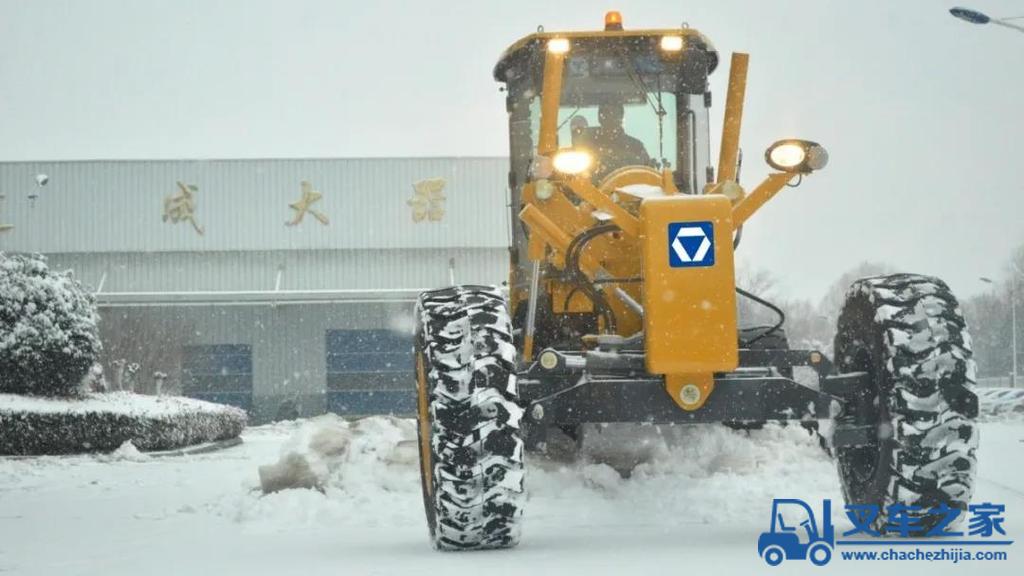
(359, 471)
(703, 474)
(126, 452)
(104, 422)
(48, 334)
(309, 455)
(321, 446)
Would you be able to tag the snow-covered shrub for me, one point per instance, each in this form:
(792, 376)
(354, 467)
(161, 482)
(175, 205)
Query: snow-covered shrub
(48, 334)
(90, 422)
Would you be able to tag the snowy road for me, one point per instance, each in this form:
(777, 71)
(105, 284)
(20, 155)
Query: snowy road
(697, 509)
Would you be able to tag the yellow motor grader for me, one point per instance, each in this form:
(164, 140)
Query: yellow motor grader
(621, 304)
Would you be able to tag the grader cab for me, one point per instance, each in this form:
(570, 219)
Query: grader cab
(621, 304)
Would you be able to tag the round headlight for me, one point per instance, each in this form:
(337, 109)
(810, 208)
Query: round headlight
(572, 161)
(787, 156)
(796, 156)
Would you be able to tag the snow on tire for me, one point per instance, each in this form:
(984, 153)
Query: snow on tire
(908, 332)
(471, 449)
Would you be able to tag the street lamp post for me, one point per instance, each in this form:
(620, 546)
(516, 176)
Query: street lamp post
(1013, 319)
(975, 17)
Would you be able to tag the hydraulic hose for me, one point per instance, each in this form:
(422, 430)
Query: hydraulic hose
(572, 257)
(766, 304)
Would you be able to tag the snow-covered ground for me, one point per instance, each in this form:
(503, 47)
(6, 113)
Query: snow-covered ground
(697, 508)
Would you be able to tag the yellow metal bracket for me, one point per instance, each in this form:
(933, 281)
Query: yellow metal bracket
(547, 140)
(729, 152)
(544, 228)
(764, 192)
(629, 224)
(744, 205)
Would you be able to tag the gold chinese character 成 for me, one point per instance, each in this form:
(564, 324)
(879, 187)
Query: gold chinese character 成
(182, 206)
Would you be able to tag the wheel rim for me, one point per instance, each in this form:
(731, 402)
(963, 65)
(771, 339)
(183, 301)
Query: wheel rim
(423, 409)
(820, 555)
(773, 556)
(423, 433)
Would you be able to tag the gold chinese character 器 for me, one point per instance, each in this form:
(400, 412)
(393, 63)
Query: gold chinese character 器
(309, 197)
(182, 206)
(428, 200)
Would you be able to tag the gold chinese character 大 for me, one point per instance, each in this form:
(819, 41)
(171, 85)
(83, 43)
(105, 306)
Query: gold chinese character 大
(181, 206)
(428, 199)
(309, 197)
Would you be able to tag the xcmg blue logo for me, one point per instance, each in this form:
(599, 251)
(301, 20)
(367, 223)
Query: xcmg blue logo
(691, 244)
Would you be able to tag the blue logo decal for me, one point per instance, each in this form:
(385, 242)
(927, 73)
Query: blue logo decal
(796, 533)
(691, 244)
(805, 539)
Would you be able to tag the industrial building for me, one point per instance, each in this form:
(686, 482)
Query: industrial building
(285, 286)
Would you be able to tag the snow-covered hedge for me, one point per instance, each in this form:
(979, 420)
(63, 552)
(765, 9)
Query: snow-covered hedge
(48, 334)
(102, 422)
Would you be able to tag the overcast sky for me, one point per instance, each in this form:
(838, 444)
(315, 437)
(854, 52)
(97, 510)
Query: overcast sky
(921, 113)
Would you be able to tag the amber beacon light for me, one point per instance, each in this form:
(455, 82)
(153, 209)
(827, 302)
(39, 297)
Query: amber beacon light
(613, 20)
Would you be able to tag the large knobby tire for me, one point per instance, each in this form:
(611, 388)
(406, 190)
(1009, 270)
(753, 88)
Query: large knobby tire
(471, 450)
(907, 332)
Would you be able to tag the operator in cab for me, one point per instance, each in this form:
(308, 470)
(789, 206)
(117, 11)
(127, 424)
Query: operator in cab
(611, 146)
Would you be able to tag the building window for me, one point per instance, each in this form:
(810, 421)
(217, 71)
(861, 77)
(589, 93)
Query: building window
(218, 373)
(370, 372)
